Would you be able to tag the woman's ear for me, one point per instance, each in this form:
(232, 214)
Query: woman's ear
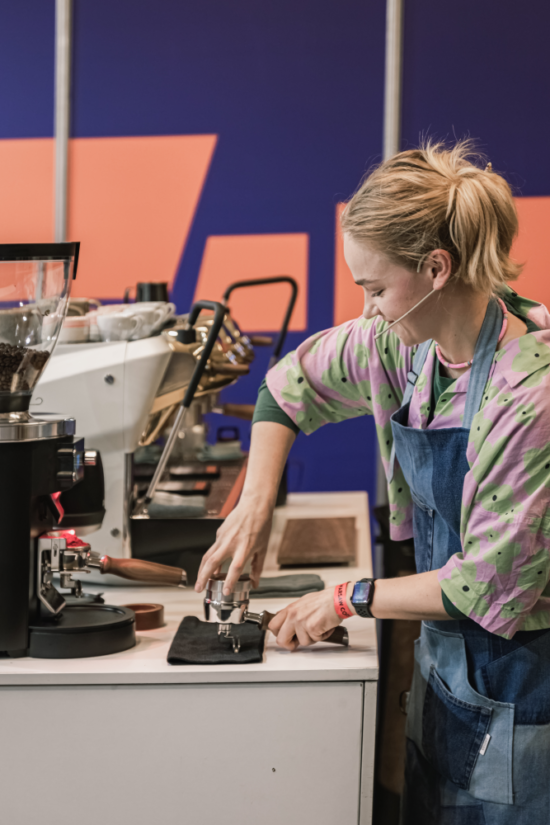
(440, 268)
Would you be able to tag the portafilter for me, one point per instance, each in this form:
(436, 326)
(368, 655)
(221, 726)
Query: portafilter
(231, 612)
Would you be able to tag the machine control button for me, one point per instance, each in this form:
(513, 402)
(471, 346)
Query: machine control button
(109, 379)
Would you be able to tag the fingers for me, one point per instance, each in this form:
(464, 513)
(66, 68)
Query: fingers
(310, 619)
(286, 636)
(243, 534)
(233, 575)
(257, 567)
(303, 636)
(277, 621)
(211, 561)
(290, 632)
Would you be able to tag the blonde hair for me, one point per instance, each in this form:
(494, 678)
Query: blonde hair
(437, 197)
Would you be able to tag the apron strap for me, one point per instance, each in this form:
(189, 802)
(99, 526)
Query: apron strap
(483, 360)
(412, 377)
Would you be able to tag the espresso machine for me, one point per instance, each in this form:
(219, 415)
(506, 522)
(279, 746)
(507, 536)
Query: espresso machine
(40, 459)
(124, 396)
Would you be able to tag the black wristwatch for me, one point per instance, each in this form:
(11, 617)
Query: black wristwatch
(362, 596)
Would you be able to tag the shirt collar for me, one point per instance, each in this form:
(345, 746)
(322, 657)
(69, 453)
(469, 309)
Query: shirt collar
(524, 356)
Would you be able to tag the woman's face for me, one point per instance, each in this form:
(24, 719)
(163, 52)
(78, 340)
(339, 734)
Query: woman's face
(391, 290)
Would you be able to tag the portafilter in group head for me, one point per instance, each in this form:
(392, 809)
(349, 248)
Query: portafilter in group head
(231, 612)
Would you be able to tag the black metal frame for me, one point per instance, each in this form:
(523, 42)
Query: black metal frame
(276, 279)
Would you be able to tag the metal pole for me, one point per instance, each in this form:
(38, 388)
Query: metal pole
(63, 19)
(393, 84)
(393, 81)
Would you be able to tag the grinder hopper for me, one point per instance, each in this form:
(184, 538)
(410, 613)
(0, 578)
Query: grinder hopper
(35, 282)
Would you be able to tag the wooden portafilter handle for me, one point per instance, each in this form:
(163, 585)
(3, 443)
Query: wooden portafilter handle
(144, 571)
(339, 635)
(260, 340)
(244, 411)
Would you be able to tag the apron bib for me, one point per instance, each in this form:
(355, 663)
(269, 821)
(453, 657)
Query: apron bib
(478, 726)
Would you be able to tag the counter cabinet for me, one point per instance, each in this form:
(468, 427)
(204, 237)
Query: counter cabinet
(128, 739)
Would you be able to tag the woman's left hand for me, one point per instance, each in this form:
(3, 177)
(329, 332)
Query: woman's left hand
(310, 619)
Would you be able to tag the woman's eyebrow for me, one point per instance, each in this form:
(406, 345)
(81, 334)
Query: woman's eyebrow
(366, 282)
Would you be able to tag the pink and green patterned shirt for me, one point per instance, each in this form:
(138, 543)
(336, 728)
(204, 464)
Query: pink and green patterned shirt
(501, 577)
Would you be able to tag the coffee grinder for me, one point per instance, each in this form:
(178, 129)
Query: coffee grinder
(39, 459)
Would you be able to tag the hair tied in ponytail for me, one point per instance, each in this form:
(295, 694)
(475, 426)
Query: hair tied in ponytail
(439, 197)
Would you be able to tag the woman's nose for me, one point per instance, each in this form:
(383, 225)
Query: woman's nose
(370, 310)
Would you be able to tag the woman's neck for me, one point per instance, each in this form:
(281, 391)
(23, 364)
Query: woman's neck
(460, 314)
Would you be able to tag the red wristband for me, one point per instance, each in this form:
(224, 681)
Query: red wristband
(340, 602)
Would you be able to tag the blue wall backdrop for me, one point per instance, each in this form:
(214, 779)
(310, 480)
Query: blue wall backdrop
(294, 91)
(481, 68)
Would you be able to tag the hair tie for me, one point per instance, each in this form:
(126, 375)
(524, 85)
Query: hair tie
(489, 167)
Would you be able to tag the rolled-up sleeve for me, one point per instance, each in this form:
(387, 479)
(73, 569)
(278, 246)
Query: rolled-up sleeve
(339, 374)
(499, 578)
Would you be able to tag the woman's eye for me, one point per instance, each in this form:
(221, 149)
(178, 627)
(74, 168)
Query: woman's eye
(377, 294)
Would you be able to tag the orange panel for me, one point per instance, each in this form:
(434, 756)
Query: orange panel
(131, 204)
(229, 258)
(348, 297)
(532, 248)
(26, 202)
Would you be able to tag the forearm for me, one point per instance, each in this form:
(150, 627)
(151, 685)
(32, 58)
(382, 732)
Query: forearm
(407, 597)
(245, 532)
(269, 449)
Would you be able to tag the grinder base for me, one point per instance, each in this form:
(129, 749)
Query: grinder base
(83, 630)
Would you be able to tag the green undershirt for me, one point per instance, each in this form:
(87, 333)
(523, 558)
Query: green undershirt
(439, 385)
(267, 409)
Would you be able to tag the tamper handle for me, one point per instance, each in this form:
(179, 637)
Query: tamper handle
(144, 571)
(339, 635)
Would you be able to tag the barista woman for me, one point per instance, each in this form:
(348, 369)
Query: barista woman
(455, 368)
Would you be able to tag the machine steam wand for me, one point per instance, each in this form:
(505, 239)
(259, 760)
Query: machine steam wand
(219, 314)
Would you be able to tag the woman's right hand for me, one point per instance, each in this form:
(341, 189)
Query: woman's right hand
(243, 534)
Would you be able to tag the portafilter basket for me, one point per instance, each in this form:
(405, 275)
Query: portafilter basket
(226, 609)
(228, 612)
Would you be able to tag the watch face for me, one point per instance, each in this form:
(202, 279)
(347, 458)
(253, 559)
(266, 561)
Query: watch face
(362, 593)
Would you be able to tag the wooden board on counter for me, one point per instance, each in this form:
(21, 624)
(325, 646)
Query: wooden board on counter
(318, 541)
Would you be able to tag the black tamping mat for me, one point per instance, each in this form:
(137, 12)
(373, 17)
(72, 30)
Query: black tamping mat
(198, 643)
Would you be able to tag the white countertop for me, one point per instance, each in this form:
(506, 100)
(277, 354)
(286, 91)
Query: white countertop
(146, 663)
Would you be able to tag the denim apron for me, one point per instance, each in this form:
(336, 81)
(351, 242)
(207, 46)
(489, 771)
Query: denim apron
(478, 720)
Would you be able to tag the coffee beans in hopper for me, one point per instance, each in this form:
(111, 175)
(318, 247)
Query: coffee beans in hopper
(20, 367)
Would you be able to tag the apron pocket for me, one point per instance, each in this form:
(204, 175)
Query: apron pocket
(452, 732)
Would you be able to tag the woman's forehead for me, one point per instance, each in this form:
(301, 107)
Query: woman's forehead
(368, 266)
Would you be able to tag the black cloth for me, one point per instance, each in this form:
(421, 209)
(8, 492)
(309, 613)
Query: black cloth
(198, 643)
